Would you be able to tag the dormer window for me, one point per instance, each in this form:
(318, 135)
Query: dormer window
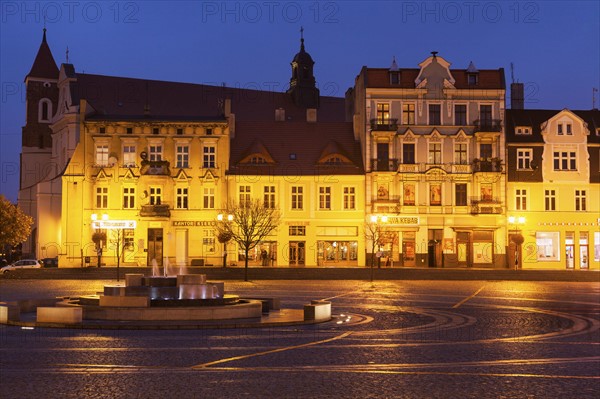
(257, 159)
(155, 130)
(523, 130)
(472, 79)
(564, 128)
(394, 77)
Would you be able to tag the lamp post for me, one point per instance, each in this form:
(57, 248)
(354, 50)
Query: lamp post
(516, 237)
(94, 218)
(224, 240)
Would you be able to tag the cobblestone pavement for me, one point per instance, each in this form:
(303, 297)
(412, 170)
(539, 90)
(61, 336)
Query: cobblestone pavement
(392, 339)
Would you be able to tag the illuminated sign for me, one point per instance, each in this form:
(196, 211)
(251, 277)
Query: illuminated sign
(191, 223)
(113, 224)
(412, 220)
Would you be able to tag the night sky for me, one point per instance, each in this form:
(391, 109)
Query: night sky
(554, 45)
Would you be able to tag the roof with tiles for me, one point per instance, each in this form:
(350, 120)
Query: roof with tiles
(487, 78)
(534, 118)
(44, 65)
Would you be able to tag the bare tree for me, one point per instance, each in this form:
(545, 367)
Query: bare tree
(250, 223)
(375, 234)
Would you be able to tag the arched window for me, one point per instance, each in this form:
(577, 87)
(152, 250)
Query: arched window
(44, 110)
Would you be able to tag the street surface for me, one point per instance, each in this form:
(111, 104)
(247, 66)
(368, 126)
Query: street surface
(396, 339)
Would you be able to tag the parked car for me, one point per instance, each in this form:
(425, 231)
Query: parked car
(49, 262)
(22, 264)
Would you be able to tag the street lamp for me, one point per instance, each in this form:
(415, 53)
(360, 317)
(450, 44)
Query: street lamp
(516, 237)
(224, 238)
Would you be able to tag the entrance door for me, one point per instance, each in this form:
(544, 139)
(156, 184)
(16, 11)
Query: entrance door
(463, 248)
(570, 249)
(155, 246)
(296, 253)
(408, 253)
(434, 247)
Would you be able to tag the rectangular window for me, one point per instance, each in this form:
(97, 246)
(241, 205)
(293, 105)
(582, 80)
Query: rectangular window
(208, 198)
(297, 198)
(129, 156)
(101, 197)
(181, 197)
(408, 153)
(297, 230)
(383, 113)
(128, 198)
(155, 153)
(102, 154)
(569, 129)
(460, 194)
(155, 195)
(435, 114)
(524, 157)
(128, 239)
(485, 150)
(559, 129)
(435, 194)
(244, 196)
(550, 200)
(324, 197)
(209, 159)
(521, 200)
(485, 115)
(522, 130)
(182, 155)
(580, 200)
(349, 198)
(565, 160)
(597, 246)
(460, 114)
(435, 153)
(548, 245)
(408, 114)
(409, 194)
(269, 197)
(460, 154)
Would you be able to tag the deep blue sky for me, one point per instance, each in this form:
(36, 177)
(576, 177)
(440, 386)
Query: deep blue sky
(554, 45)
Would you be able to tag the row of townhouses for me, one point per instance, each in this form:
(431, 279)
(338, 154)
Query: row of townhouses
(430, 155)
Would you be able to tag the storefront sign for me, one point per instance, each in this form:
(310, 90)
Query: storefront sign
(113, 224)
(192, 223)
(405, 220)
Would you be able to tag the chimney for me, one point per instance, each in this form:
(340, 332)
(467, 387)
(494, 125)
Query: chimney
(517, 97)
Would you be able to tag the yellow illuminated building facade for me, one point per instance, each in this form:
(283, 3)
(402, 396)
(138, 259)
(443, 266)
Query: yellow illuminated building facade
(553, 186)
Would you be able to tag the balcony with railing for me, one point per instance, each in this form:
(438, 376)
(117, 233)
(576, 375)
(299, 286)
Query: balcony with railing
(160, 210)
(487, 125)
(487, 165)
(486, 205)
(389, 124)
(384, 165)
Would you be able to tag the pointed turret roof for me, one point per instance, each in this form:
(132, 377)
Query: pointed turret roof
(471, 68)
(44, 65)
(303, 57)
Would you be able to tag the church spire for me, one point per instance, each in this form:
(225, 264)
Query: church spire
(302, 83)
(44, 65)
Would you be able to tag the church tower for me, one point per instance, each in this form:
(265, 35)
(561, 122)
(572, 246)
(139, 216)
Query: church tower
(42, 99)
(302, 84)
(41, 85)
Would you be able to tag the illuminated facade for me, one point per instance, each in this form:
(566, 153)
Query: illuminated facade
(433, 149)
(553, 183)
(420, 152)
